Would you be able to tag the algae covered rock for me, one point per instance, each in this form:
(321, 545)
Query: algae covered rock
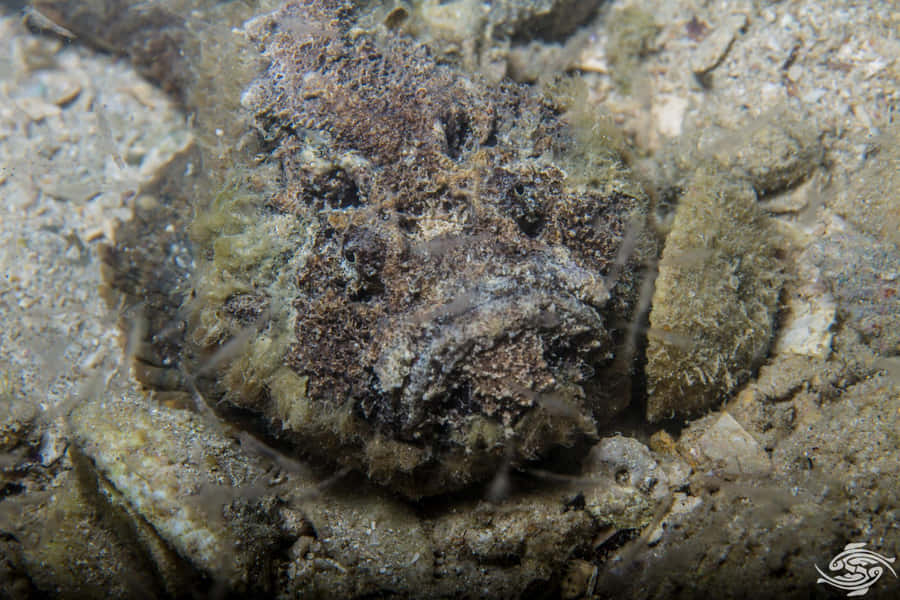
(773, 152)
(186, 490)
(196, 511)
(715, 298)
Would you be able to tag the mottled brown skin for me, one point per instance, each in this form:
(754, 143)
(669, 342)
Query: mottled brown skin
(458, 306)
(454, 239)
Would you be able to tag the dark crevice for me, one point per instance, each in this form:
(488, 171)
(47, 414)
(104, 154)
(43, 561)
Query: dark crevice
(457, 132)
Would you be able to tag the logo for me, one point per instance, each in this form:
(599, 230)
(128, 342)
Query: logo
(861, 569)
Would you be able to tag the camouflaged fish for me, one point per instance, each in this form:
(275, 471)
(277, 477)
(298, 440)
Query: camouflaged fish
(402, 269)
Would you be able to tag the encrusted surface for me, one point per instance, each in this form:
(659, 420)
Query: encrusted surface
(715, 298)
(440, 252)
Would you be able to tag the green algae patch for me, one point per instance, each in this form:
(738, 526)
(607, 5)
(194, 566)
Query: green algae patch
(715, 299)
(242, 312)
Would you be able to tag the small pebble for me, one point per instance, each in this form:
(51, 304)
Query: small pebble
(712, 51)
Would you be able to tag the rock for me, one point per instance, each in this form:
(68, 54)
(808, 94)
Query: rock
(669, 114)
(375, 535)
(731, 450)
(804, 199)
(193, 504)
(628, 485)
(678, 515)
(184, 479)
(773, 153)
(53, 445)
(808, 330)
(579, 581)
(71, 546)
(862, 273)
(870, 198)
(499, 38)
(629, 462)
(549, 20)
(715, 46)
(142, 34)
(509, 548)
(715, 299)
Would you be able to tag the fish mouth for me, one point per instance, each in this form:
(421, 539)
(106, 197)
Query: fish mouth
(499, 352)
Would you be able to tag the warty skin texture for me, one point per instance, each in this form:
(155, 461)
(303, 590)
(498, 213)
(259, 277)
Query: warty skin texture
(450, 299)
(403, 269)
